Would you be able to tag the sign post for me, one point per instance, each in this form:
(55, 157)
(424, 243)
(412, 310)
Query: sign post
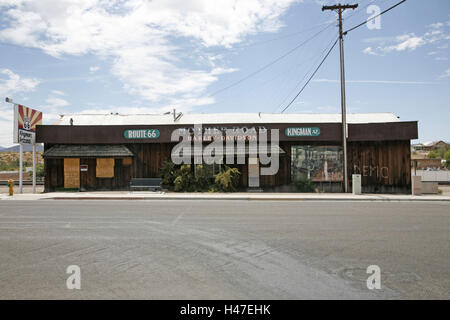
(21, 168)
(34, 168)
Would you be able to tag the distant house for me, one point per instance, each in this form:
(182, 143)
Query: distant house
(428, 146)
(417, 147)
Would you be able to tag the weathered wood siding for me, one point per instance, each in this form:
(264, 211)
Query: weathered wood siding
(385, 166)
(54, 175)
(148, 158)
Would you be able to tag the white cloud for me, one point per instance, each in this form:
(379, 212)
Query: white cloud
(54, 102)
(446, 74)
(94, 69)
(53, 107)
(11, 83)
(409, 42)
(436, 25)
(406, 42)
(142, 38)
(370, 51)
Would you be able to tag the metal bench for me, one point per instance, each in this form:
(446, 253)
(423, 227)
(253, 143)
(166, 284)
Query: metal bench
(152, 184)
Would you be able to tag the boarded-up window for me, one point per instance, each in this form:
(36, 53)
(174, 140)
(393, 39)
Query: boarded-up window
(105, 168)
(127, 162)
(71, 173)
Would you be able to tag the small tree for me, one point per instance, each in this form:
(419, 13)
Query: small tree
(433, 155)
(447, 159)
(40, 173)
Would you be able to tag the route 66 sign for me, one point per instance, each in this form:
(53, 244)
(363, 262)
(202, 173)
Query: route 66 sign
(25, 122)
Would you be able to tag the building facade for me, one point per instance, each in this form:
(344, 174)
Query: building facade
(104, 152)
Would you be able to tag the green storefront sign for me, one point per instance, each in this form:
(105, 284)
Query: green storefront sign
(302, 132)
(141, 134)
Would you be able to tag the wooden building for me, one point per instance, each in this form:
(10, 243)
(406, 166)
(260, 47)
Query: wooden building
(104, 152)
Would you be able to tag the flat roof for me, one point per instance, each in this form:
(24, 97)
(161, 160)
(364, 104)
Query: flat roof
(222, 118)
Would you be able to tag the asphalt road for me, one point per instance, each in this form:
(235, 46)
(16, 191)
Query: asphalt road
(224, 249)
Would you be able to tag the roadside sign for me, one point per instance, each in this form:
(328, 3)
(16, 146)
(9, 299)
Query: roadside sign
(25, 122)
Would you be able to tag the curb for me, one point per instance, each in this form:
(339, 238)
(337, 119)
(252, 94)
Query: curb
(242, 198)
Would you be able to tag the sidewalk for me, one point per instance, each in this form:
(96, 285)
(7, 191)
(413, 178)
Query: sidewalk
(125, 195)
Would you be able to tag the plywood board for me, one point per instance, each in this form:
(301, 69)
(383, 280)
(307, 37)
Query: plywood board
(71, 173)
(105, 168)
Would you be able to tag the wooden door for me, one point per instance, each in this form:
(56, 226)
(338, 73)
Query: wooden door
(71, 173)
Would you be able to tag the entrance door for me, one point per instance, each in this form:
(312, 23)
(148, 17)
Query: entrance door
(72, 173)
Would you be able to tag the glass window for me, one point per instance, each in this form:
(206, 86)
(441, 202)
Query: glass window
(316, 163)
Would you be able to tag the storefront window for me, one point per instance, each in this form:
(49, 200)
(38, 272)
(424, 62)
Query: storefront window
(317, 163)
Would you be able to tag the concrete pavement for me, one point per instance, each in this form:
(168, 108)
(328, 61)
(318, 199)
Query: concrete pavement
(224, 249)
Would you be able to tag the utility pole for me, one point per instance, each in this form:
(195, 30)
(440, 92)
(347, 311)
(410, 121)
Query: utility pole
(340, 8)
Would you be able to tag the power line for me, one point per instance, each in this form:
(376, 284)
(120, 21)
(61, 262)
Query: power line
(270, 63)
(376, 16)
(281, 37)
(315, 71)
(306, 74)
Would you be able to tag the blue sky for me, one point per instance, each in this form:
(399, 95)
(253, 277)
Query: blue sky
(137, 56)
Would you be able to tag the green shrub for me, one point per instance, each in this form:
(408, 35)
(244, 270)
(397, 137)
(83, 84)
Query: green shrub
(9, 166)
(433, 155)
(304, 185)
(184, 182)
(438, 153)
(227, 180)
(447, 158)
(39, 172)
(181, 178)
(204, 178)
(168, 173)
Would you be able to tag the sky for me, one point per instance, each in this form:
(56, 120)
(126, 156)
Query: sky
(203, 56)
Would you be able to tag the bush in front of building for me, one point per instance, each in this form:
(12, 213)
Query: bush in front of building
(227, 180)
(304, 185)
(184, 182)
(168, 173)
(204, 178)
(180, 178)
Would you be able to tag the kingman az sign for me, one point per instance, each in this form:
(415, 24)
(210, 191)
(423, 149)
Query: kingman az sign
(302, 132)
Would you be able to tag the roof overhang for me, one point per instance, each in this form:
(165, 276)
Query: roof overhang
(87, 151)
